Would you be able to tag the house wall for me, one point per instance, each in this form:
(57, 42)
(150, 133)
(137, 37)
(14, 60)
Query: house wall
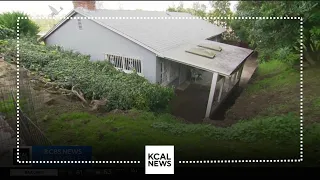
(95, 40)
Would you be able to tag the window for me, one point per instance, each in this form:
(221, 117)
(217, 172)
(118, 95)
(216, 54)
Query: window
(125, 64)
(79, 24)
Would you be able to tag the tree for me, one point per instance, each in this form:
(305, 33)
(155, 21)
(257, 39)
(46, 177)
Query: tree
(180, 8)
(26, 27)
(6, 32)
(221, 9)
(269, 36)
(199, 9)
(196, 10)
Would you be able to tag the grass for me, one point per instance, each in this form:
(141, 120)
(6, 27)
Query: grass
(7, 106)
(275, 91)
(116, 133)
(271, 67)
(273, 75)
(316, 102)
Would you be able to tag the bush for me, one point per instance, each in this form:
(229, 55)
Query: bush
(96, 79)
(265, 55)
(278, 129)
(26, 26)
(286, 55)
(6, 32)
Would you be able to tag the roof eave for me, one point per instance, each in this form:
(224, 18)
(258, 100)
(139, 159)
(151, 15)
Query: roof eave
(58, 25)
(244, 60)
(215, 35)
(195, 66)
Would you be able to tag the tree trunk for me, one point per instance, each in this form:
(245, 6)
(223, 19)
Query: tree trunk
(308, 49)
(309, 58)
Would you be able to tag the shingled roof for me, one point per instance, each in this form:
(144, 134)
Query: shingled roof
(224, 62)
(150, 29)
(169, 35)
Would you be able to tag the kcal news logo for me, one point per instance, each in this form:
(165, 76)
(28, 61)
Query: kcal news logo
(159, 159)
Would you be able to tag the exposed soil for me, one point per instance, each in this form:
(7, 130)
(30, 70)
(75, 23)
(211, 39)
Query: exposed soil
(255, 105)
(7, 74)
(191, 103)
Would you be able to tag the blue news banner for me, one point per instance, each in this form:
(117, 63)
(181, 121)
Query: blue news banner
(62, 153)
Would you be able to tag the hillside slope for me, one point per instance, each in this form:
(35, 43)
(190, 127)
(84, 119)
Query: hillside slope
(275, 90)
(260, 136)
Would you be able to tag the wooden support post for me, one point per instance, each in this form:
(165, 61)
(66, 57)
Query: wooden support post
(240, 73)
(227, 83)
(211, 94)
(237, 75)
(179, 74)
(221, 88)
(234, 79)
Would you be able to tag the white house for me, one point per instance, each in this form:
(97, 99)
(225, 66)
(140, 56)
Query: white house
(163, 47)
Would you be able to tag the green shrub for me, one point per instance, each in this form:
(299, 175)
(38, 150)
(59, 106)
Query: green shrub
(96, 79)
(6, 32)
(265, 55)
(286, 55)
(7, 106)
(278, 129)
(26, 26)
(312, 135)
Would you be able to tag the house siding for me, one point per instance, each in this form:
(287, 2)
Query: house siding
(96, 40)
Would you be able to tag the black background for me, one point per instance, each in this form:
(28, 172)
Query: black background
(254, 169)
(214, 171)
